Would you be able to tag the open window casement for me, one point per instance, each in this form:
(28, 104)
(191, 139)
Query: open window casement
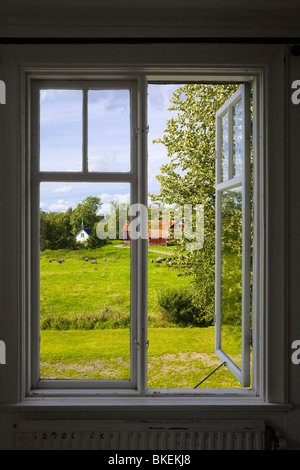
(233, 235)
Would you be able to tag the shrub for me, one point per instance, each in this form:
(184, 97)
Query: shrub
(107, 318)
(178, 307)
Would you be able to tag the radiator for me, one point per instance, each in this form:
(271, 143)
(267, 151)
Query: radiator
(124, 435)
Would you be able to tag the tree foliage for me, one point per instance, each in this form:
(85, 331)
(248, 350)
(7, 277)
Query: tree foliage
(58, 229)
(189, 176)
(94, 241)
(86, 213)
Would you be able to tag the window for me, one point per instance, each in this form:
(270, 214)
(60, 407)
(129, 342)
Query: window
(233, 231)
(89, 139)
(85, 148)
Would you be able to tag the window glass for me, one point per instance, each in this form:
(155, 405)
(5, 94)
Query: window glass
(89, 265)
(225, 149)
(60, 130)
(109, 130)
(85, 291)
(231, 303)
(181, 236)
(237, 138)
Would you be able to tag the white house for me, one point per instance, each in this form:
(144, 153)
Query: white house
(83, 235)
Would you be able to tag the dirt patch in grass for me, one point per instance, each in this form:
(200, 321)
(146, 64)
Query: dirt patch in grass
(183, 360)
(97, 369)
(180, 369)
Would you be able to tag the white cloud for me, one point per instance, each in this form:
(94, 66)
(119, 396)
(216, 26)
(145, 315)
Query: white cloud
(64, 189)
(106, 199)
(59, 206)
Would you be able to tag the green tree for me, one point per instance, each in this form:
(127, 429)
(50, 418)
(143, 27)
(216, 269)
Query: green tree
(189, 177)
(43, 230)
(86, 213)
(55, 230)
(94, 241)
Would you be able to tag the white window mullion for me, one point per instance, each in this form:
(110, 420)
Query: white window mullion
(33, 235)
(142, 267)
(246, 174)
(134, 349)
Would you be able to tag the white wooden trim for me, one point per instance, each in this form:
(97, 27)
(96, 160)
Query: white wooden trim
(85, 176)
(229, 184)
(142, 267)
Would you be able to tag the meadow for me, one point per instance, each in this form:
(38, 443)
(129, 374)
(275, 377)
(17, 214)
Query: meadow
(85, 322)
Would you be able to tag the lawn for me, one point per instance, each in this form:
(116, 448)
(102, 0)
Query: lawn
(177, 357)
(85, 323)
(77, 287)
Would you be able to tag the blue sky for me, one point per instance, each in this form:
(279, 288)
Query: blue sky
(108, 142)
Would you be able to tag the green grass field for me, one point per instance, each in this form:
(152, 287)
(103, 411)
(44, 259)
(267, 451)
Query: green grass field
(177, 357)
(85, 323)
(77, 287)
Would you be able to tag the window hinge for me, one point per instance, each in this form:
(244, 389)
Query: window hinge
(141, 131)
(138, 344)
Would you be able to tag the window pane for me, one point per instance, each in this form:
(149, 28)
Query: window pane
(237, 139)
(109, 130)
(231, 303)
(181, 274)
(224, 148)
(84, 282)
(60, 130)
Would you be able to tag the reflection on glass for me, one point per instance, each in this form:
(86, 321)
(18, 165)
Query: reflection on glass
(84, 281)
(60, 130)
(231, 305)
(224, 148)
(109, 130)
(237, 139)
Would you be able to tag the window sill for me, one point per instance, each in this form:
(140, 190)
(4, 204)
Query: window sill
(161, 401)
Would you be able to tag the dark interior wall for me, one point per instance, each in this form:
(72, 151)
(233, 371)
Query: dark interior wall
(188, 21)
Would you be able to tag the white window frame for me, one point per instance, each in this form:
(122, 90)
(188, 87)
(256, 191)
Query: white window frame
(243, 181)
(39, 176)
(91, 388)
